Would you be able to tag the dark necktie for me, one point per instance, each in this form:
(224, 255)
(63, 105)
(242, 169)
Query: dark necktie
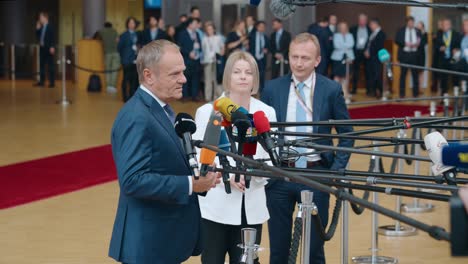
(170, 113)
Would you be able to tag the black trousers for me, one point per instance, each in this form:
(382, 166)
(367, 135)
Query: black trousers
(358, 61)
(219, 239)
(45, 58)
(409, 58)
(129, 81)
(374, 73)
(447, 65)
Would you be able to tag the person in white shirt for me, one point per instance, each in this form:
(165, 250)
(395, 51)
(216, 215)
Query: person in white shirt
(212, 44)
(224, 215)
(342, 57)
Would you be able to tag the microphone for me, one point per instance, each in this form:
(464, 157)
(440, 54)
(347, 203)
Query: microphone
(455, 155)
(241, 124)
(211, 137)
(225, 145)
(263, 130)
(226, 107)
(434, 143)
(282, 9)
(185, 126)
(249, 150)
(384, 57)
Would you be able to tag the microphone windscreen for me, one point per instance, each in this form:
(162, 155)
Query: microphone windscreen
(249, 149)
(184, 123)
(226, 107)
(434, 142)
(384, 56)
(455, 155)
(224, 143)
(281, 10)
(207, 156)
(261, 122)
(213, 130)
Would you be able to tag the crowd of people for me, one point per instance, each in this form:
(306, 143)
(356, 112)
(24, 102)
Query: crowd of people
(345, 50)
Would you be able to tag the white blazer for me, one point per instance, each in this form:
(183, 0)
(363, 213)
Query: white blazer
(217, 205)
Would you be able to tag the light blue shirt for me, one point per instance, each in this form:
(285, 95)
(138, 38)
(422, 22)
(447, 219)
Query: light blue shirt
(343, 45)
(464, 48)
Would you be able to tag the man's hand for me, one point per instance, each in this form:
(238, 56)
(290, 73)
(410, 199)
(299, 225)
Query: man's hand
(238, 185)
(205, 183)
(52, 51)
(38, 25)
(192, 55)
(442, 48)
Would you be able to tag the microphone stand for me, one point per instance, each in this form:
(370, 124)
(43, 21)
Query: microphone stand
(434, 231)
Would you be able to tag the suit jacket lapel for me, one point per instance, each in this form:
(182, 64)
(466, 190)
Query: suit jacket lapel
(284, 97)
(317, 100)
(158, 112)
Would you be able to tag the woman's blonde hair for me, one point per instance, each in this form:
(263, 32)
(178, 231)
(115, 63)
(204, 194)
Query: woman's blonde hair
(232, 59)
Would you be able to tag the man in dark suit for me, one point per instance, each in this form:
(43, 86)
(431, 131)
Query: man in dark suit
(446, 43)
(279, 46)
(128, 49)
(153, 32)
(374, 66)
(45, 35)
(190, 47)
(303, 96)
(324, 35)
(361, 33)
(258, 47)
(408, 40)
(158, 216)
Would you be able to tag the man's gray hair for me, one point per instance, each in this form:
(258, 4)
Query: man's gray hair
(150, 55)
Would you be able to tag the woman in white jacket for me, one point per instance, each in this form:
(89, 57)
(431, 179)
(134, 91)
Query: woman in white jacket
(224, 215)
(212, 44)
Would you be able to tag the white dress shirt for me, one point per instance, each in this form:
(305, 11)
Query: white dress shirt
(309, 83)
(217, 205)
(163, 104)
(411, 38)
(210, 46)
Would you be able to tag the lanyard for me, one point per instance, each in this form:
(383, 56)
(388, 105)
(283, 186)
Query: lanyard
(303, 104)
(447, 39)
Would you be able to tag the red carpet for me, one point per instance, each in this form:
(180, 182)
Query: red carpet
(43, 178)
(389, 111)
(38, 179)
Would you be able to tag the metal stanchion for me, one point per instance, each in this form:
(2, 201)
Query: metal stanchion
(386, 80)
(346, 82)
(456, 110)
(374, 258)
(463, 107)
(13, 62)
(308, 208)
(446, 112)
(398, 229)
(345, 230)
(417, 206)
(63, 62)
(248, 235)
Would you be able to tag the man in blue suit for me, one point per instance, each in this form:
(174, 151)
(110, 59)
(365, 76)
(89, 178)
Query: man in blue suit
(259, 46)
(190, 46)
(158, 216)
(128, 49)
(303, 96)
(325, 36)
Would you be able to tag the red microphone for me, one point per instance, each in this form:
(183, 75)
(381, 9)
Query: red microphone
(263, 130)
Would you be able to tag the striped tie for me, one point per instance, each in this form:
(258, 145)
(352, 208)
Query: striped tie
(301, 116)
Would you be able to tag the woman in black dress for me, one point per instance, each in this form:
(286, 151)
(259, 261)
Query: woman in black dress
(237, 39)
(421, 61)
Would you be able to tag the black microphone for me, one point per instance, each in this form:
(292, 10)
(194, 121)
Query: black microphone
(185, 126)
(241, 123)
(263, 129)
(226, 146)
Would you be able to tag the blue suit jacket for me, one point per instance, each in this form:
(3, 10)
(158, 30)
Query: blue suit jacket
(127, 54)
(157, 220)
(328, 104)
(186, 43)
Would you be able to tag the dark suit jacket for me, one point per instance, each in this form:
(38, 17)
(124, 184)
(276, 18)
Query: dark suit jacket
(323, 35)
(284, 42)
(328, 104)
(185, 43)
(439, 42)
(376, 44)
(400, 40)
(49, 36)
(253, 43)
(145, 36)
(157, 220)
(125, 48)
(353, 31)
